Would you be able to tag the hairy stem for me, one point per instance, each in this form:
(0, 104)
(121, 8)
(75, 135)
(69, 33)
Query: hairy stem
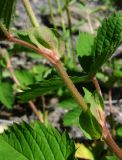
(70, 85)
(110, 101)
(54, 59)
(106, 133)
(97, 86)
(56, 62)
(111, 143)
(30, 13)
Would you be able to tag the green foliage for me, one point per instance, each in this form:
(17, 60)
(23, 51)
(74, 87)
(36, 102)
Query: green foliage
(90, 126)
(42, 37)
(6, 94)
(94, 101)
(24, 77)
(44, 87)
(7, 9)
(109, 37)
(84, 46)
(111, 158)
(68, 104)
(119, 131)
(72, 117)
(89, 120)
(35, 142)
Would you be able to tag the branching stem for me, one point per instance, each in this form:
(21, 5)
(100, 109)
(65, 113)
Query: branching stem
(97, 86)
(54, 59)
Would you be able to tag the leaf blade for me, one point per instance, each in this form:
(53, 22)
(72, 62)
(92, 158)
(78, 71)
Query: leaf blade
(35, 142)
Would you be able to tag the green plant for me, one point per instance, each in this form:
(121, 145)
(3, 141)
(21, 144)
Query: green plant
(35, 141)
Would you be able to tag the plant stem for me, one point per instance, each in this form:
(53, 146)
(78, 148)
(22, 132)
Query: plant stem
(60, 12)
(70, 30)
(97, 86)
(30, 13)
(33, 107)
(54, 59)
(61, 15)
(51, 14)
(111, 143)
(31, 104)
(89, 23)
(70, 85)
(110, 101)
(106, 133)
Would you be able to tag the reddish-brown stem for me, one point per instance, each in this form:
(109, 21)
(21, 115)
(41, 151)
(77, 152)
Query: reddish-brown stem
(96, 84)
(70, 85)
(110, 101)
(10, 69)
(106, 133)
(47, 53)
(54, 59)
(33, 107)
(31, 104)
(111, 143)
(52, 56)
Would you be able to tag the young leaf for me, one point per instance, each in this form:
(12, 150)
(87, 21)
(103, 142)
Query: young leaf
(83, 152)
(84, 46)
(43, 37)
(7, 9)
(89, 120)
(90, 126)
(108, 39)
(6, 94)
(95, 102)
(22, 142)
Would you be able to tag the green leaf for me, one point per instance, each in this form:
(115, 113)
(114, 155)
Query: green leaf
(24, 77)
(46, 86)
(39, 72)
(68, 104)
(112, 158)
(84, 46)
(90, 126)
(72, 117)
(35, 142)
(119, 131)
(43, 37)
(6, 94)
(108, 39)
(94, 102)
(89, 120)
(7, 9)
(117, 74)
